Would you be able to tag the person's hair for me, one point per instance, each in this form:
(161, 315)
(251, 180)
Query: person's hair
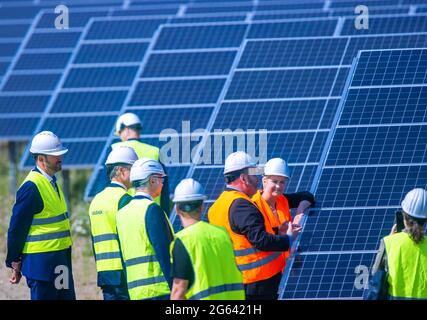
(415, 227)
(113, 169)
(144, 183)
(232, 176)
(191, 207)
(36, 156)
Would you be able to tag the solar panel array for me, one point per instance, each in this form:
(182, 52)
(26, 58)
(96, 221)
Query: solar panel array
(376, 154)
(217, 66)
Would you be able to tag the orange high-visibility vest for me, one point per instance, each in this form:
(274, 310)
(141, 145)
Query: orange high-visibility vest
(283, 212)
(255, 265)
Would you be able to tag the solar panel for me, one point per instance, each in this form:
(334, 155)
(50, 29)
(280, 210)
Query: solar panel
(377, 153)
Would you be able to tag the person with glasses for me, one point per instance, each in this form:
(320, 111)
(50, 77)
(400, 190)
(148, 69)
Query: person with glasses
(145, 235)
(102, 215)
(257, 249)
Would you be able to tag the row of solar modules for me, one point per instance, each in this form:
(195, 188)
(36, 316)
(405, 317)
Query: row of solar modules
(376, 154)
(269, 77)
(32, 58)
(17, 20)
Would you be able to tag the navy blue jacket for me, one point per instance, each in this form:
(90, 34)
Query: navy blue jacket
(160, 235)
(37, 266)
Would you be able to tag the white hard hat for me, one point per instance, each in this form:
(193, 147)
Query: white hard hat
(126, 120)
(415, 203)
(122, 154)
(277, 167)
(145, 167)
(189, 190)
(48, 143)
(237, 161)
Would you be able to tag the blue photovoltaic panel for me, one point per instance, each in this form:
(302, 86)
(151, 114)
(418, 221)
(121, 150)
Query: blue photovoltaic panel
(70, 102)
(355, 3)
(293, 146)
(60, 39)
(76, 19)
(346, 230)
(8, 49)
(189, 64)
(145, 12)
(30, 82)
(13, 30)
(80, 127)
(111, 52)
(385, 106)
(377, 154)
(9, 127)
(40, 61)
(378, 145)
(100, 77)
(281, 84)
(286, 53)
(214, 9)
(159, 119)
(18, 12)
(383, 42)
(267, 16)
(3, 67)
(224, 18)
(126, 29)
(368, 186)
(340, 82)
(392, 68)
(22, 104)
(174, 92)
(326, 276)
(277, 115)
(349, 12)
(388, 25)
(292, 29)
(201, 37)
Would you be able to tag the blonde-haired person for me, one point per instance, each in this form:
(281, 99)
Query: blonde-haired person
(275, 204)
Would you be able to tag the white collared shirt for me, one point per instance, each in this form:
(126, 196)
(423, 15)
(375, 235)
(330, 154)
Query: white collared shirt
(120, 184)
(142, 193)
(48, 177)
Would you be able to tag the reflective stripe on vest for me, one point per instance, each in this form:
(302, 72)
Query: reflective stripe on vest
(50, 228)
(407, 267)
(144, 275)
(218, 289)
(255, 265)
(208, 245)
(102, 215)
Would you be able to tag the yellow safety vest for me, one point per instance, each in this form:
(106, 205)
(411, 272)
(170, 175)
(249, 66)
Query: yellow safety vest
(142, 150)
(145, 278)
(216, 276)
(102, 215)
(407, 267)
(50, 229)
